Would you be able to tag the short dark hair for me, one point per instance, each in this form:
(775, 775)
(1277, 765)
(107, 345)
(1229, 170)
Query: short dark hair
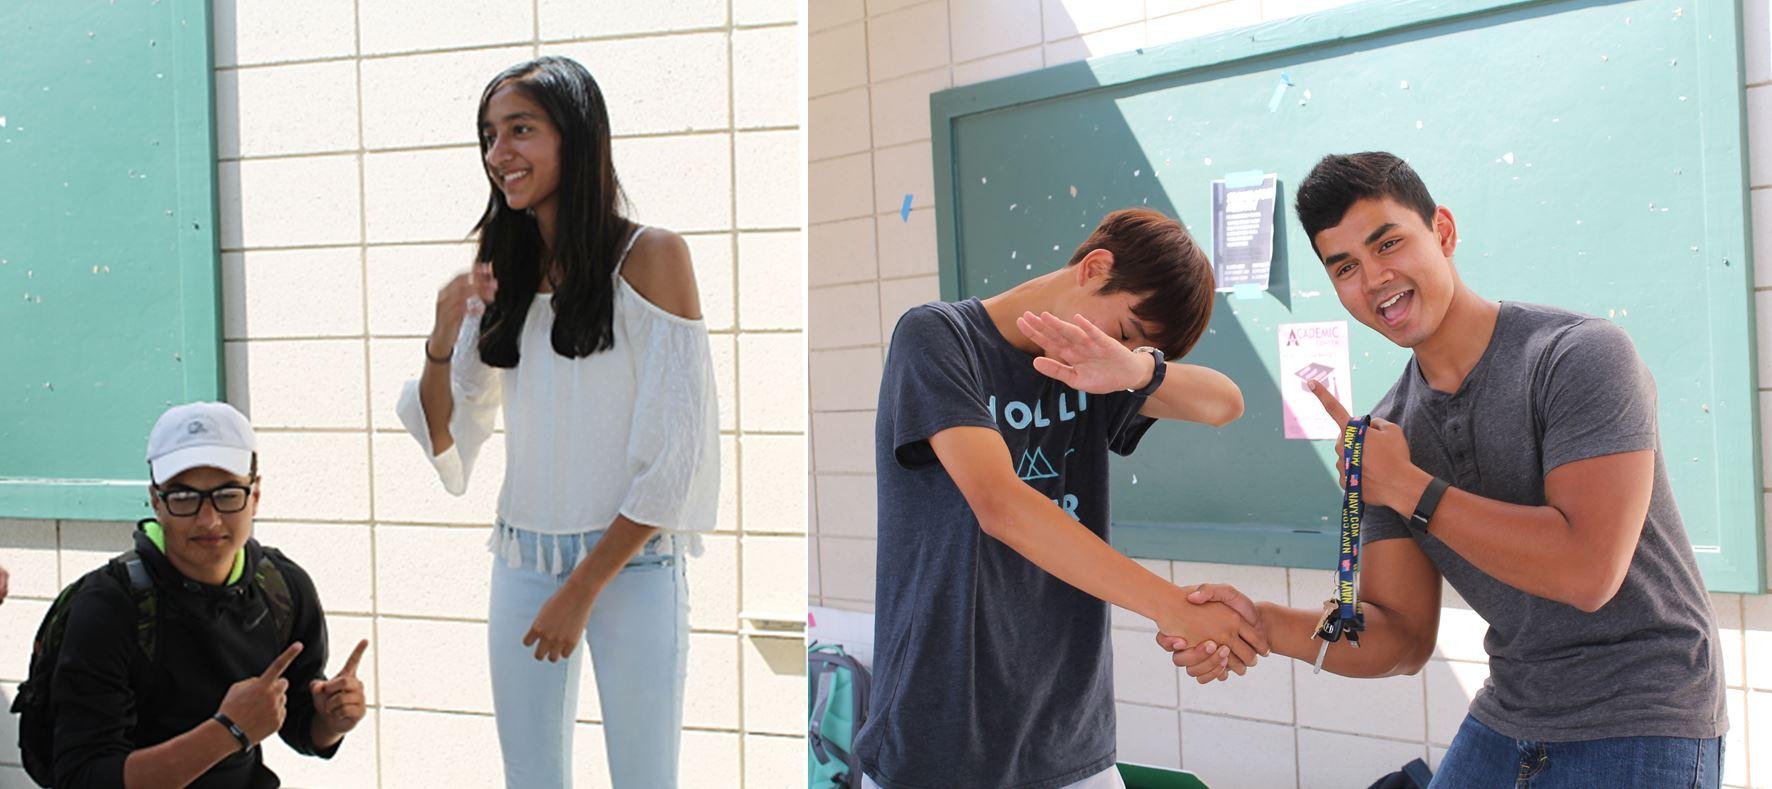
(1340, 180)
(1156, 259)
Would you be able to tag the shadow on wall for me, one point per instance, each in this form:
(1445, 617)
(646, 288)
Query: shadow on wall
(1029, 184)
(785, 657)
(236, 369)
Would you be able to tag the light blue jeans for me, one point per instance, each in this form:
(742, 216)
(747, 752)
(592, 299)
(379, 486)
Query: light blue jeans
(638, 636)
(1481, 757)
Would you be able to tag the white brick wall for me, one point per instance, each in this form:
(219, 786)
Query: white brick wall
(873, 65)
(349, 181)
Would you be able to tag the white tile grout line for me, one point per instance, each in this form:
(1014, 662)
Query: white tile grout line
(873, 180)
(368, 373)
(251, 339)
(867, 51)
(421, 242)
(537, 42)
(803, 71)
(1297, 770)
(737, 364)
(469, 145)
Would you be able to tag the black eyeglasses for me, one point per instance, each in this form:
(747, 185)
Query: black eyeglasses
(227, 499)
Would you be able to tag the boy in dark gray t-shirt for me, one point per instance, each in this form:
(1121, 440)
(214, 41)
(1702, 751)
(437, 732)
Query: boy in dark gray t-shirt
(993, 666)
(1518, 457)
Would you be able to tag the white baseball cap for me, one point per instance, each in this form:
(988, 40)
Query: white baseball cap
(194, 435)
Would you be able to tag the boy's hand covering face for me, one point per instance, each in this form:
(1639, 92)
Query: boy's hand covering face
(1084, 357)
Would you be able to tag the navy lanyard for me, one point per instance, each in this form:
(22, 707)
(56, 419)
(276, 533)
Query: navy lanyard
(1343, 615)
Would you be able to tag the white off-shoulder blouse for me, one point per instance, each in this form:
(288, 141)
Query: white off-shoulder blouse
(633, 430)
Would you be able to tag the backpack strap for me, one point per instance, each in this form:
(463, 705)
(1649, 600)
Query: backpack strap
(827, 675)
(138, 573)
(1418, 772)
(275, 587)
(823, 663)
(129, 568)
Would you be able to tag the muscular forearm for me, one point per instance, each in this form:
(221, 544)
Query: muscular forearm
(1533, 549)
(1389, 645)
(613, 550)
(180, 760)
(1032, 526)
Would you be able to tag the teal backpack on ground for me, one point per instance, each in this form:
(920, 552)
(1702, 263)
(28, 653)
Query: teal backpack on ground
(838, 692)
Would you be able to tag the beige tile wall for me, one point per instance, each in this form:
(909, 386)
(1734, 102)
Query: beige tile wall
(349, 183)
(873, 65)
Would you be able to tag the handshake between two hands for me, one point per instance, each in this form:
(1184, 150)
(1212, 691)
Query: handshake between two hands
(1217, 631)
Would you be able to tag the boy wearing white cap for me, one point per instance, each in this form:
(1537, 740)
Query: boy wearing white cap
(238, 638)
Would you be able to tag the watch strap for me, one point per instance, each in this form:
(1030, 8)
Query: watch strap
(1156, 372)
(223, 719)
(1430, 499)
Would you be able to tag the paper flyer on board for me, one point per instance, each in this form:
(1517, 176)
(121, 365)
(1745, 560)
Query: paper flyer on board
(1313, 352)
(1243, 230)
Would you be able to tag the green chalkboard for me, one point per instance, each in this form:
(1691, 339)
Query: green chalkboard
(1593, 153)
(109, 303)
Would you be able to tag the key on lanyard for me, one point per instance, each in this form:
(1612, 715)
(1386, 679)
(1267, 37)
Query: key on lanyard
(1322, 627)
(1341, 613)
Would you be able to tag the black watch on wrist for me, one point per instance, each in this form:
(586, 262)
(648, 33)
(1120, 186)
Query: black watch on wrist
(1156, 372)
(1430, 499)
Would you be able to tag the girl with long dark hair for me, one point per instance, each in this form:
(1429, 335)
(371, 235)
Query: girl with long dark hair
(586, 328)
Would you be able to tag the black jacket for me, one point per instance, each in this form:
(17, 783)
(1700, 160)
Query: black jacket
(110, 700)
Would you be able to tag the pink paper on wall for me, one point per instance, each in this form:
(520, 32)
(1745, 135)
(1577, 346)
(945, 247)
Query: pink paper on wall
(1313, 352)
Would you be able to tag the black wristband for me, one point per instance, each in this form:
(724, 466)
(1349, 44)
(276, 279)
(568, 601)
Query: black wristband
(223, 719)
(1156, 374)
(433, 359)
(1430, 499)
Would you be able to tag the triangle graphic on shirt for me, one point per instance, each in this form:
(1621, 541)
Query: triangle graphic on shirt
(1034, 465)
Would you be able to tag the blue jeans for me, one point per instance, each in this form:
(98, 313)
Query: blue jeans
(638, 635)
(1482, 757)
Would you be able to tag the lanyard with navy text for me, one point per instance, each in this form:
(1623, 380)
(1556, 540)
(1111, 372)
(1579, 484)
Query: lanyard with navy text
(1343, 615)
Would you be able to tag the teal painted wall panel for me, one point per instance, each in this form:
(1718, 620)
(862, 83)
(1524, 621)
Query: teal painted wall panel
(109, 296)
(1593, 154)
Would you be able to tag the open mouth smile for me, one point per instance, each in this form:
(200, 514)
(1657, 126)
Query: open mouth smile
(1394, 309)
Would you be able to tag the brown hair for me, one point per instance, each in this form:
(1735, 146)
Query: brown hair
(1156, 259)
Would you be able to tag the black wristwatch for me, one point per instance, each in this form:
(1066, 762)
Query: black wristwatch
(1156, 372)
(1430, 499)
(223, 719)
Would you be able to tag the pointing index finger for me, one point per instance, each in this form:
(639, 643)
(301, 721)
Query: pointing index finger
(350, 669)
(1330, 404)
(281, 664)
